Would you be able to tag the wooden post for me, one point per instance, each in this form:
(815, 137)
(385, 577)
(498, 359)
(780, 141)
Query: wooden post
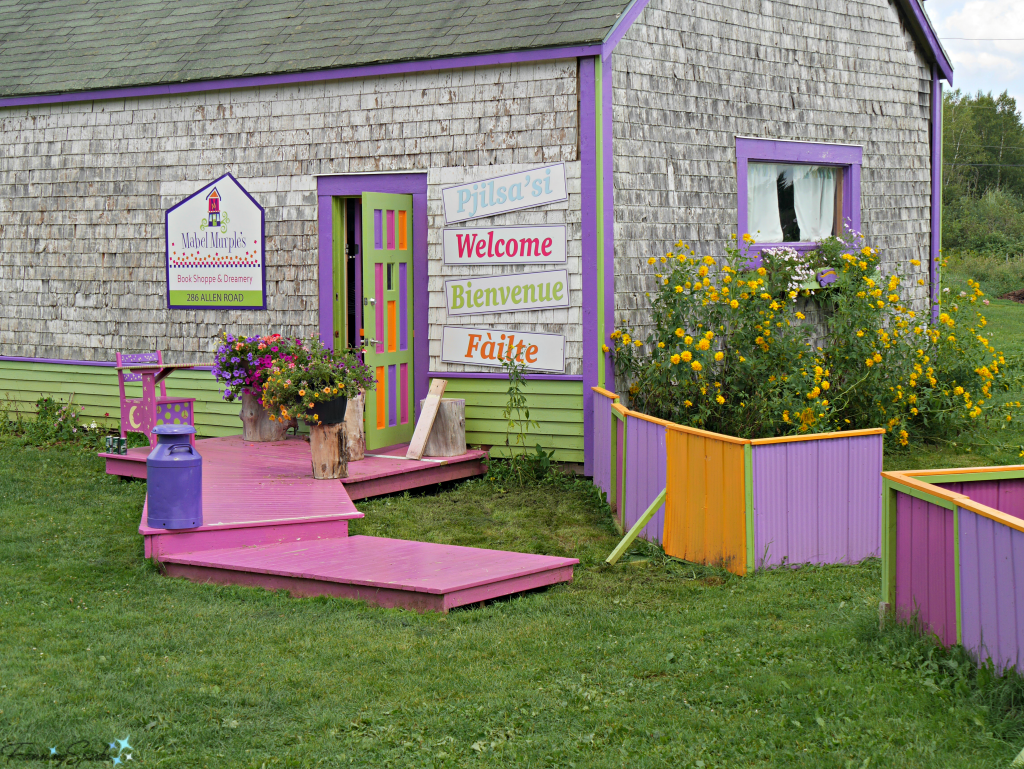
(328, 445)
(448, 435)
(354, 428)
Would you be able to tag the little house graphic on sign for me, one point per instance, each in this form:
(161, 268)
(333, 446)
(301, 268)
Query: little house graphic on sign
(537, 244)
(507, 293)
(215, 249)
(487, 346)
(502, 194)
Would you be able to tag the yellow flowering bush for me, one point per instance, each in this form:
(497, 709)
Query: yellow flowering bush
(733, 353)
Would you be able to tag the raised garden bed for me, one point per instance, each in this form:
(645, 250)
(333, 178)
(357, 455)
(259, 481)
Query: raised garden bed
(953, 557)
(740, 503)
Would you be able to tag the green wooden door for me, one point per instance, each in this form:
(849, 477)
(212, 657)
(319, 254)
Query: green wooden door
(387, 317)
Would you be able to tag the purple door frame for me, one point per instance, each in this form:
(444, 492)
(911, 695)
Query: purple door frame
(354, 185)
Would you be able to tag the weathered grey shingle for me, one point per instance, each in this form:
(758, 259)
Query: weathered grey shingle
(62, 46)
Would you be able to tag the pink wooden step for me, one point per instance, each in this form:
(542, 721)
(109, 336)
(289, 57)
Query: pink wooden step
(386, 572)
(383, 471)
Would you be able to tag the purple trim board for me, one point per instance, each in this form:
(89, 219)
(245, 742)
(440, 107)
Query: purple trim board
(608, 180)
(936, 241)
(922, 25)
(317, 76)
(588, 216)
(263, 250)
(621, 27)
(64, 362)
(784, 151)
(354, 185)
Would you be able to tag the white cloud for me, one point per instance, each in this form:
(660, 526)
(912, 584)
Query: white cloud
(987, 61)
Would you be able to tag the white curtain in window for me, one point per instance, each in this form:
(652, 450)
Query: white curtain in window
(763, 222)
(814, 196)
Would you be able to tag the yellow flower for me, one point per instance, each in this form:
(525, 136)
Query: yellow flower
(652, 260)
(719, 355)
(762, 271)
(696, 365)
(675, 360)
(665, 258)
(315, 416)
(877, 357)
(785, 416)
(916, 262)
(638, 343)
(702, 271)
(734, 304)
(679, 333)
(825, 385)
(742, 359)
(679, 289)
(626, 339)
(703, 344)
(869, 363)
(800, 316)
(687, 356)
(604, 348)
(719, 400)
(688, 340)
(661, 345)
(747, 238)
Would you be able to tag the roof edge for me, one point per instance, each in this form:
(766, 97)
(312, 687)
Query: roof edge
(922, 27)
(310, 76)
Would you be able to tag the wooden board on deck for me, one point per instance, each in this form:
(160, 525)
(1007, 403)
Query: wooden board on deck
(426, 421)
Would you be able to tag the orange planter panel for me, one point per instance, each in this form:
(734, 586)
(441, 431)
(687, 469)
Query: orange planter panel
(705, 504)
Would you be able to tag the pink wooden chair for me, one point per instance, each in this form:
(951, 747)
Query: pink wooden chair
(153, 408)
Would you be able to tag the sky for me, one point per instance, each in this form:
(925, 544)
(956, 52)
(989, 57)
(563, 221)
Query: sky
(992, 58)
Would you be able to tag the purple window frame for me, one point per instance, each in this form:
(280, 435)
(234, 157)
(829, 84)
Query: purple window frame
(849, 157)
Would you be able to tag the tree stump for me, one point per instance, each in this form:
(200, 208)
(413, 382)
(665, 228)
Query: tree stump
(256, 424)
(354, 428)
(328, 446)
(448, 435)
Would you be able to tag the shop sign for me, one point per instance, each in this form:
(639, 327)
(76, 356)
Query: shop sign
(539, 244)
(214, 242)
(487, 346)
(502, 194)
(514, 292)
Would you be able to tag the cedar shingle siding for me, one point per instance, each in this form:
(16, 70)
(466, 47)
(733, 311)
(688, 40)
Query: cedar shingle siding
(691, 76)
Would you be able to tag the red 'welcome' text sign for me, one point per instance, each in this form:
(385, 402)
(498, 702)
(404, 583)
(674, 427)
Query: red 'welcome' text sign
(537, 244)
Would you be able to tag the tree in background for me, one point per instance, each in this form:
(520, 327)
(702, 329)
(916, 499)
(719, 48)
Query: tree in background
(983, 173)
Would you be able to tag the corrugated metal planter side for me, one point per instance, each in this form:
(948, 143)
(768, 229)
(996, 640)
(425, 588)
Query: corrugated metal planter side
(645, 475)
(817, 499)
(955, 562)
(706, 500)
(604, 446)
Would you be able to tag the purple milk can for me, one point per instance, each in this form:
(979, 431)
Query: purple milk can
(174, 480)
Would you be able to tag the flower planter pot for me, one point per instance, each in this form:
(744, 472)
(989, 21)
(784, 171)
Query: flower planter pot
(256, 424)
(329, 412)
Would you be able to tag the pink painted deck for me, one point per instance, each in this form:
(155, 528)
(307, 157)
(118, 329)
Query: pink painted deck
(268, 523)
(383, 471)
(385, 572)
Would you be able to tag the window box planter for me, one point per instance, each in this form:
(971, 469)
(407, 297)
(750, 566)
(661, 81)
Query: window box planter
(742, 504)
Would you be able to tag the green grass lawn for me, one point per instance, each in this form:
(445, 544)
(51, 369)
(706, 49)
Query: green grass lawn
(652, 663)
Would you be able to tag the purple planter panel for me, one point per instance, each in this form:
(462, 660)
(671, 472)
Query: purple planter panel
(925, 569)
(1006, 495)
(646, 460)
(603, 443)
(992, 589)
(817, 501)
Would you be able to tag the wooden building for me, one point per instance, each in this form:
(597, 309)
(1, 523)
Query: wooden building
(359, 131)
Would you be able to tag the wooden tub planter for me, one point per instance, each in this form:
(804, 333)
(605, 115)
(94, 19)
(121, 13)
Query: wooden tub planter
(739, 503)
(953, 557)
